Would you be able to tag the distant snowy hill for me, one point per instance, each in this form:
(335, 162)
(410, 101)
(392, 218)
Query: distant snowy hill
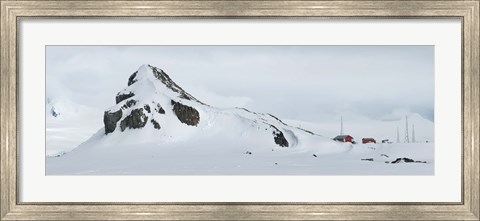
(156, 127)
(62, 108)
(68, 124)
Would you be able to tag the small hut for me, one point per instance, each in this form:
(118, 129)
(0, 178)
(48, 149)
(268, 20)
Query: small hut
(344, 138)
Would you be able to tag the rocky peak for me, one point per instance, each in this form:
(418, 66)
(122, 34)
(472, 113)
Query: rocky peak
(162, 77)
(143, 102)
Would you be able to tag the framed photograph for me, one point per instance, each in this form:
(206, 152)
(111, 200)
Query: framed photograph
(239, 110)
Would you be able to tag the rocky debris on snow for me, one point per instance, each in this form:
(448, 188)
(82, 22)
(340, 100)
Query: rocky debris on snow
(159, 109)
(407, 160)
(368, 159)
(147, 108)
(59, 154)
(384, 155)
(54, 112)
(156, 125)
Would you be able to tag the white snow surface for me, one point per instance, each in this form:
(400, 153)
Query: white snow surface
(224, 157)
(232, 141)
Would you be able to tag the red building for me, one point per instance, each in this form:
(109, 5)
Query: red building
(368, 140)
(344, 138)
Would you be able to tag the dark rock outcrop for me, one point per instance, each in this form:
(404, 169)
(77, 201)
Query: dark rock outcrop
(136, 119)
(110, 120)
(280, 139)
(147, 108)
(156, 125)
(278, 136)
(131, 79)
(407, 160)
(121, 97)
(159, 109)
(310, 132)
(276, 118)
(186, 114)
(129, 103)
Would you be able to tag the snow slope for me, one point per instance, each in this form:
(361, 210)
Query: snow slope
(158, 128)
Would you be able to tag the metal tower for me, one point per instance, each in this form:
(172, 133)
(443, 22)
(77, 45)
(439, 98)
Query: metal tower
(398, 136)
(341, 125)
(407, 140)
(413, 133)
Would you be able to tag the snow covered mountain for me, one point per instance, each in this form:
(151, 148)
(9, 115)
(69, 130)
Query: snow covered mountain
(154, 104)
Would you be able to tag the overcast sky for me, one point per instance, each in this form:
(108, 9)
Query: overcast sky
(307, 83)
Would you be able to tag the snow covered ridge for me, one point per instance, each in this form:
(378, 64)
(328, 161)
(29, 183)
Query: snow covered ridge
(62, 108)
(153, 100)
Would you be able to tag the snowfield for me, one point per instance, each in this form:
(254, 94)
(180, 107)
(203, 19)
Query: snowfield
(207, 157)
(157, 128)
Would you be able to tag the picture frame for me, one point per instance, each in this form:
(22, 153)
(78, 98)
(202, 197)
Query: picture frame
(13, 209)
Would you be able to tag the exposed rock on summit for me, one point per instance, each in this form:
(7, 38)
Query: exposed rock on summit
(121, 97)
(167, 81)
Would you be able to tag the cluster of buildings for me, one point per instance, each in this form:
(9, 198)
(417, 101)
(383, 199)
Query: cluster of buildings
(349, 139)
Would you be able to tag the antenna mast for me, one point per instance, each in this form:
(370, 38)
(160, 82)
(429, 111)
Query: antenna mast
(341, 125)
(413, 133)
(407, 140)
(398, 136)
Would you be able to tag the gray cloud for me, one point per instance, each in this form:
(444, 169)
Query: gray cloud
(309, 83)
